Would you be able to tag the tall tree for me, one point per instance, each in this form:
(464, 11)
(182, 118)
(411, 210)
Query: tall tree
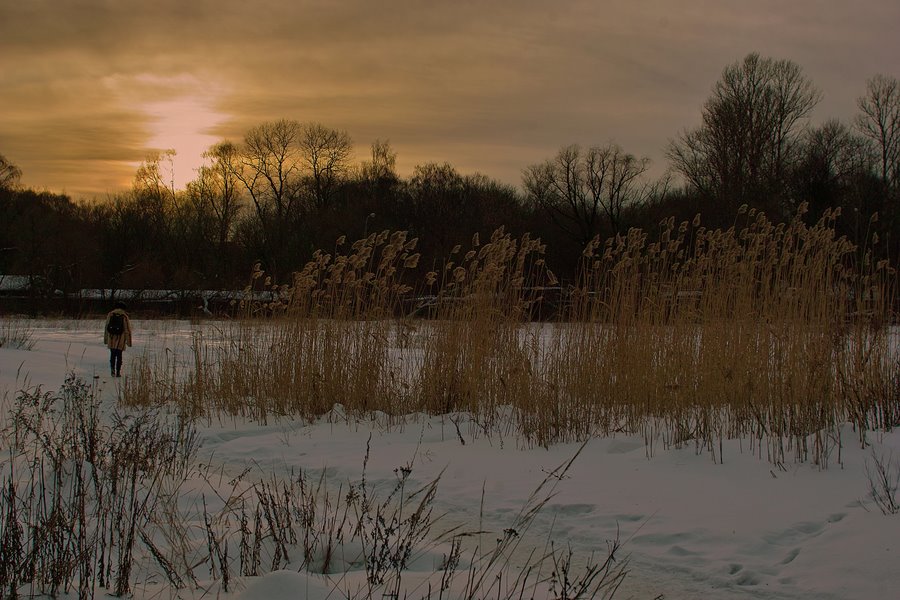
(270, 171)
(435, 204)
(9, 173)
(155, 176)
(834, 168)
(119, 228)
(194, 254)
(445, 207)
(581, 190)
(879, 120)
(750, 127)
(152, 204)
(326, 153)
(383, 165)
(218, 186)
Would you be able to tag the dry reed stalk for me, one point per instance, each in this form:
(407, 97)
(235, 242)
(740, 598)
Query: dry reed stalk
(722, 334)
(474, 356)
(16, 333)
(82, 487)
(776, 333)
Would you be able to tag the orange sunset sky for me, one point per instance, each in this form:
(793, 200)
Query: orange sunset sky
(89, 87)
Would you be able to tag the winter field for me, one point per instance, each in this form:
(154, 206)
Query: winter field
(711, 415)
(691, 523)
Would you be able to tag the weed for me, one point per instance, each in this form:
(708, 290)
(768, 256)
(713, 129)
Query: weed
(16, 333)
(884, 479)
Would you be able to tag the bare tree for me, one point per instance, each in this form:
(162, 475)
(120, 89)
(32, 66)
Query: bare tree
(436, 202)
(9, 173)
(879, 120)
(287, 169)
(154, 197)
(218, 186)
(837, 151)
(155, 177)
(615, 179)
(270, 166)
(270, 170)
(326, 153)
(579, 190)
(559, 187)
(834, 168)
(383, 166)
(750, 128)
(446, 207)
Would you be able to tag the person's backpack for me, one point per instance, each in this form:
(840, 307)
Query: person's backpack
(116, 325)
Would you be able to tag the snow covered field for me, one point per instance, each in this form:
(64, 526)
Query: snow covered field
(690, 527)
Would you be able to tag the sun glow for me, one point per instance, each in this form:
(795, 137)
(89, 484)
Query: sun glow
(183, 124)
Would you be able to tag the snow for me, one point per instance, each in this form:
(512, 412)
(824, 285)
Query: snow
(692, 526)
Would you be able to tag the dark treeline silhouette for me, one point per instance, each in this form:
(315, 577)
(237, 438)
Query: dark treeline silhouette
(288, 188)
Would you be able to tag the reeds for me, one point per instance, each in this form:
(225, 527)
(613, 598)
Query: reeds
(78, 492)
(322, 339)
(777, 334)
(16, 333)
(392, 537)
(95, 503)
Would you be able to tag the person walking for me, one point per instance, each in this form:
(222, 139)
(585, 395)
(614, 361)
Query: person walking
(117, 336)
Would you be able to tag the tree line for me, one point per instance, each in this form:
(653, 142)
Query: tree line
(288, 188)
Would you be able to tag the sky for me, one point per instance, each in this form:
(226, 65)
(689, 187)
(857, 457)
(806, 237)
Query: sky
(90, 87)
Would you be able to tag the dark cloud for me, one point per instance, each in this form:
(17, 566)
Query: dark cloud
(486, 86)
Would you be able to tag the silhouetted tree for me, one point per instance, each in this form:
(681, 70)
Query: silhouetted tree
(580, 190)
(444, 208)
(833, 168)
(879, 120)
(122, 236)
(366, 199)
(750, 128)
(270, 171)
(829, 158)
(216, 194)
(219, 186)
(9, 173)
(43, 240)
(154, 202)
(383, 165)
(193, 255)
(326, 153)
(434, 202)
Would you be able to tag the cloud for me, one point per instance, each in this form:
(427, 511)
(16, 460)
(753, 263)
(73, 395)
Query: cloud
(486, 84)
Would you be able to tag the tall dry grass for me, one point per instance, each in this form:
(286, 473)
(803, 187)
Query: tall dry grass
(16, 333)
(761, 331)
(96, 503)
(80, 490)
(777, 334)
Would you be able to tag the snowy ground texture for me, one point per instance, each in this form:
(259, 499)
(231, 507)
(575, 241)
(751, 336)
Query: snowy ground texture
(692, 528)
